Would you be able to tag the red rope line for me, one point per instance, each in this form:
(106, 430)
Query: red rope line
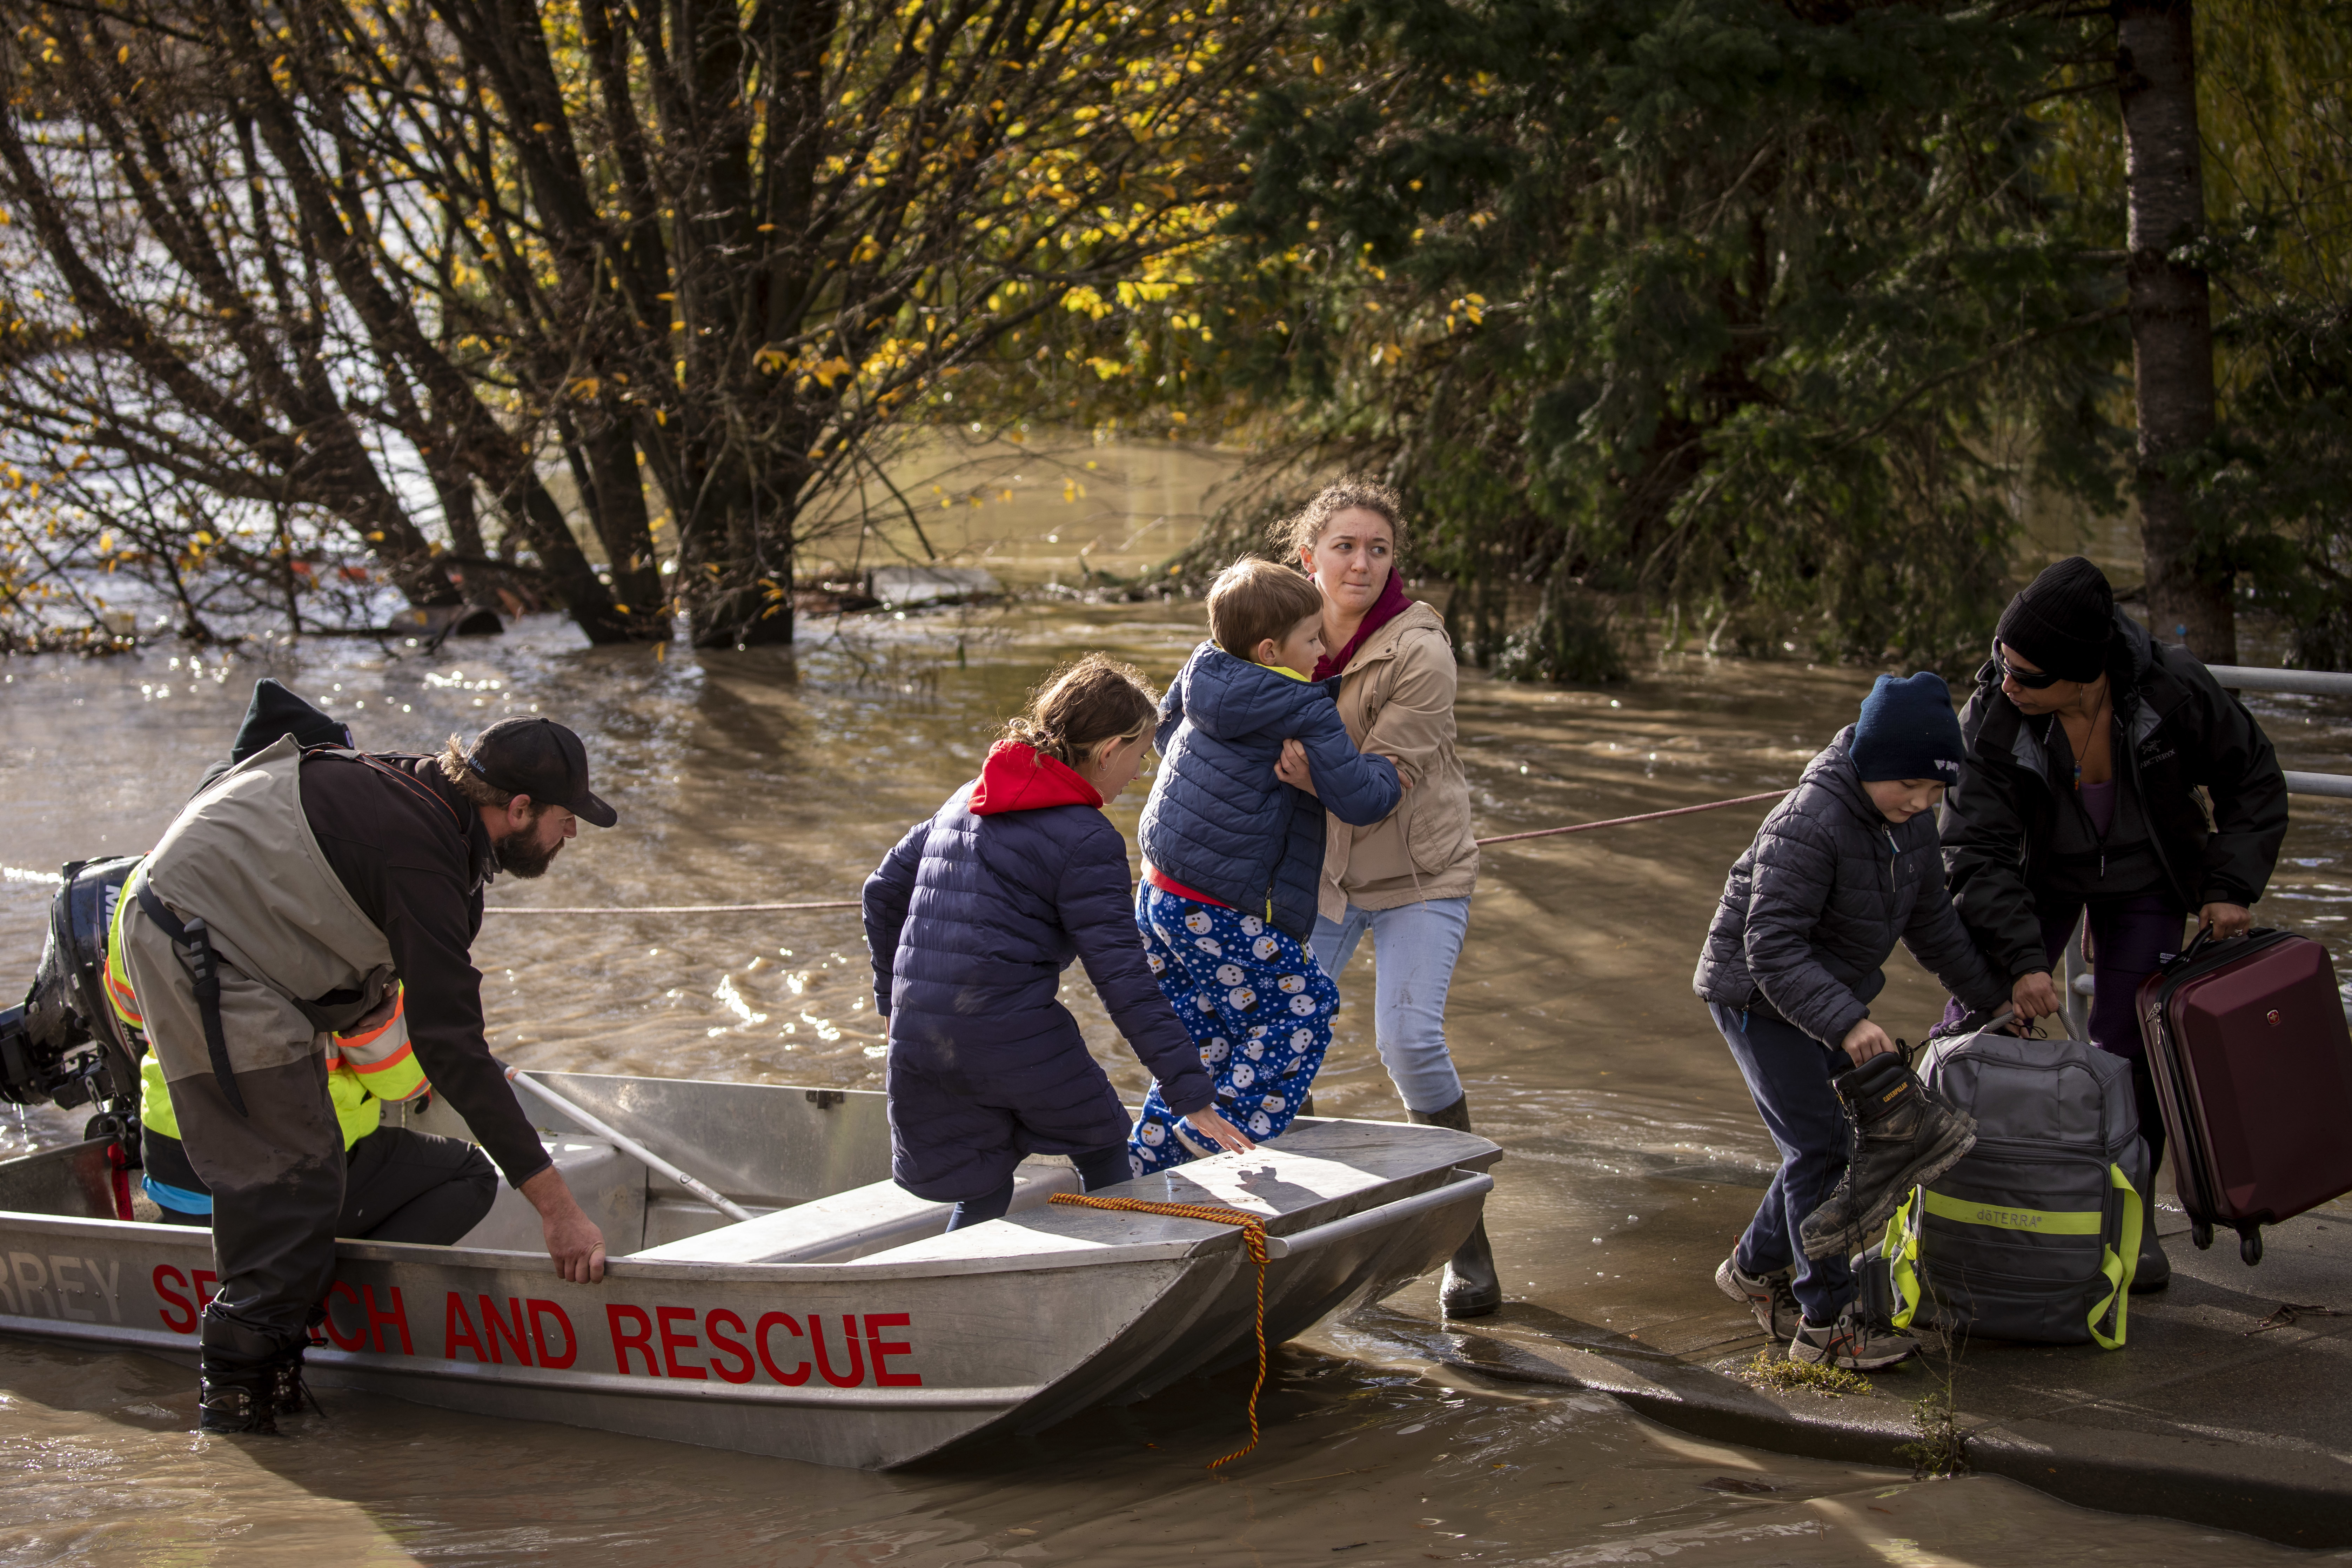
(1252, 1232)
(662, 909)
(1646, 817)
(853, 903)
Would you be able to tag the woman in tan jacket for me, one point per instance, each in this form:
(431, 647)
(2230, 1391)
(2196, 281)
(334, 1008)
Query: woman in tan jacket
(1407, 878)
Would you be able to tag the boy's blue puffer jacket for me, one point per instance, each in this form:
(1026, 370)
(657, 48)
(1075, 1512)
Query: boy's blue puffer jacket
(1219, 821)
(971, 921)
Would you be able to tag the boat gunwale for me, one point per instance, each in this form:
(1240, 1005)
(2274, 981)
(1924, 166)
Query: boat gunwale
(427, 1255)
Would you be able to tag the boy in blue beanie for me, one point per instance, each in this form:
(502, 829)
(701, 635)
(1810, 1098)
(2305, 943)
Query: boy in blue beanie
(1844, 867)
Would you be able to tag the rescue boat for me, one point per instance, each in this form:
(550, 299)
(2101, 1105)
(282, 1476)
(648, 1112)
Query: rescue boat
(840, 1323)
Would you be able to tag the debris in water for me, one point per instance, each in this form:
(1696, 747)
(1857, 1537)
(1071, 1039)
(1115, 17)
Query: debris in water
(1739, 1484)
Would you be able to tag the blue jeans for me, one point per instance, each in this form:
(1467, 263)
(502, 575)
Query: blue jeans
(1415, 948)
(1788, 1072)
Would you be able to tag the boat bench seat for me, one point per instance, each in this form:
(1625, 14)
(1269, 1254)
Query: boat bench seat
(848, 1225)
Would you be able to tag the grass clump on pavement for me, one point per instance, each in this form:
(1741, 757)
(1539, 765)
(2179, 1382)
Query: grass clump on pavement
(1772, 1369)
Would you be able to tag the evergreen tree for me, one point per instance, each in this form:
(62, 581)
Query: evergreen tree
(1759, 312)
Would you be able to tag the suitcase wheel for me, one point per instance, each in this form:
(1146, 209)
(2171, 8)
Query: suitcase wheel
(2250, 1247)
(2201, 1233)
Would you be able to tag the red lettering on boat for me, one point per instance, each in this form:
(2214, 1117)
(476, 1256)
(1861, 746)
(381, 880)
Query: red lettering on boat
(800, 1373)
(849, 1338)
(458, 1330)
(540, 1311)
(495, 1328)
(721, 1346)
(397, 1317)
(640, 1340)
(173, 1299)
(357, 1341)
(877, 1348)
(672, 1342)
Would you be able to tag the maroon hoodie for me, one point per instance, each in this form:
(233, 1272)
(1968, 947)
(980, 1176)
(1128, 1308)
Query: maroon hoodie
(1386, 608)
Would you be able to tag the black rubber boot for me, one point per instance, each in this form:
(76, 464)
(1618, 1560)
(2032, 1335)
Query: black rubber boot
(1903, 1136)
(1471, 1289)
(237, 1376)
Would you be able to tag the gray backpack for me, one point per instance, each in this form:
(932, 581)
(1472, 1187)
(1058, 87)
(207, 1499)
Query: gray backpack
(2034, 1234)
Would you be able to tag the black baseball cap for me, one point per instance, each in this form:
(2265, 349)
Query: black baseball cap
(541, 758)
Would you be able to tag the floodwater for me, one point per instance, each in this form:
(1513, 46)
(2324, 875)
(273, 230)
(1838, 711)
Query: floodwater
(1632, 1154)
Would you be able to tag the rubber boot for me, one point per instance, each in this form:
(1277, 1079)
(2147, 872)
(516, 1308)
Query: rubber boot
(237, 1376)
(1471, 1289)
(1903, 1136)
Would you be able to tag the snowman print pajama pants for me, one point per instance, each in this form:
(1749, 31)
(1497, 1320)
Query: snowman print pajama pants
(1258, 1007)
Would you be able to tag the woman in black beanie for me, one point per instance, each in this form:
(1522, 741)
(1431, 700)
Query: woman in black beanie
(2087, 743)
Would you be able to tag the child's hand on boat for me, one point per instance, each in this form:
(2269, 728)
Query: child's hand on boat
(1218, 1130)
(573, 1240)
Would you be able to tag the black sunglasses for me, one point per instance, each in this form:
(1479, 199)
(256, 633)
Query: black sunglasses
(2031, 680)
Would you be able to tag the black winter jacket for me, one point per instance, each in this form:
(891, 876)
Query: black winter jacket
(2187, 735)
(1817, 903)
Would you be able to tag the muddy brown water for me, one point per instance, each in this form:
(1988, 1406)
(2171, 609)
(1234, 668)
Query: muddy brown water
(1633, 1155)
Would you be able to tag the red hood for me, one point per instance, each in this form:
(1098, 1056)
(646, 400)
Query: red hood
(1018, 777)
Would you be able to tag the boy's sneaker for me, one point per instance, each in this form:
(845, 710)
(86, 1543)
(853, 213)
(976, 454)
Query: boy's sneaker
(1853, 1343)
(1768, 1296)
(1903, 1136)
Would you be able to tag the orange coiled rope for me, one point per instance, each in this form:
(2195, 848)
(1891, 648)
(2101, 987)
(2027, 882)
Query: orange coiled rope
(1253, 1233)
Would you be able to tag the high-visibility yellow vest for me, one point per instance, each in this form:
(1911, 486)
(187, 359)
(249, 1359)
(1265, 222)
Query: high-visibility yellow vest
(356, 1110)
(367, 1064)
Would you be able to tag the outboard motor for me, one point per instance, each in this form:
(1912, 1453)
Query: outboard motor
(64, 1046)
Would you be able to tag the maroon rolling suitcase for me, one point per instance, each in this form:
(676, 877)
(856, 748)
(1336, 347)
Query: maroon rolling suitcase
(2246, 1041)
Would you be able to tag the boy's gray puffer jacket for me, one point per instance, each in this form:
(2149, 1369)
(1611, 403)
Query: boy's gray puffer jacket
(1817, 903)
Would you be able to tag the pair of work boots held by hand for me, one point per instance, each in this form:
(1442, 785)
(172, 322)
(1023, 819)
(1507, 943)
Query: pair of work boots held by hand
(1903, 1136)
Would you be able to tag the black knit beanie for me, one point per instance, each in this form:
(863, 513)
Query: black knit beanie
(2063, 620)
(1907, 731)
(275, 711)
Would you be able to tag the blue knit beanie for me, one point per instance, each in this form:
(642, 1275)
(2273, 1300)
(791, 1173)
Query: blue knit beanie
(1907, 731)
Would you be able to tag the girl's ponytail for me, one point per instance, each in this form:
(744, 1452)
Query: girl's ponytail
(1080, 706)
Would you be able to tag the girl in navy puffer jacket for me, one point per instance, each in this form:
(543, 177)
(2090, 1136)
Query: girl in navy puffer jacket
(971, 921)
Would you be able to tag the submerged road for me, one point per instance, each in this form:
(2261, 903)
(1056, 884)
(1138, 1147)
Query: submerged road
(1633, 1156)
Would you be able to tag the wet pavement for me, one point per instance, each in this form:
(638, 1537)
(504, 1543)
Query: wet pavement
(2225, 1408)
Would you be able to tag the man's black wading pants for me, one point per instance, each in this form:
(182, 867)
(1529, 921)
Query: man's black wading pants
(276, 1177)
(398, 1185)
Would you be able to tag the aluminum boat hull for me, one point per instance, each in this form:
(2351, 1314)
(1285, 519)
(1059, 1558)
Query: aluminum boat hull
(898, 1343)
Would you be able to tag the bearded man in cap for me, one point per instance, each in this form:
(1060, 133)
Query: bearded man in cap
(281, 907)
(2087, 743)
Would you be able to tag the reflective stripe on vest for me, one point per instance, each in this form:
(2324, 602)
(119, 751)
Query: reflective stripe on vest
(357, 1111)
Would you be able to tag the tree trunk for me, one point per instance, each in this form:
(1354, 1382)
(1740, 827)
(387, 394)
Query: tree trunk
(2189, 581)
